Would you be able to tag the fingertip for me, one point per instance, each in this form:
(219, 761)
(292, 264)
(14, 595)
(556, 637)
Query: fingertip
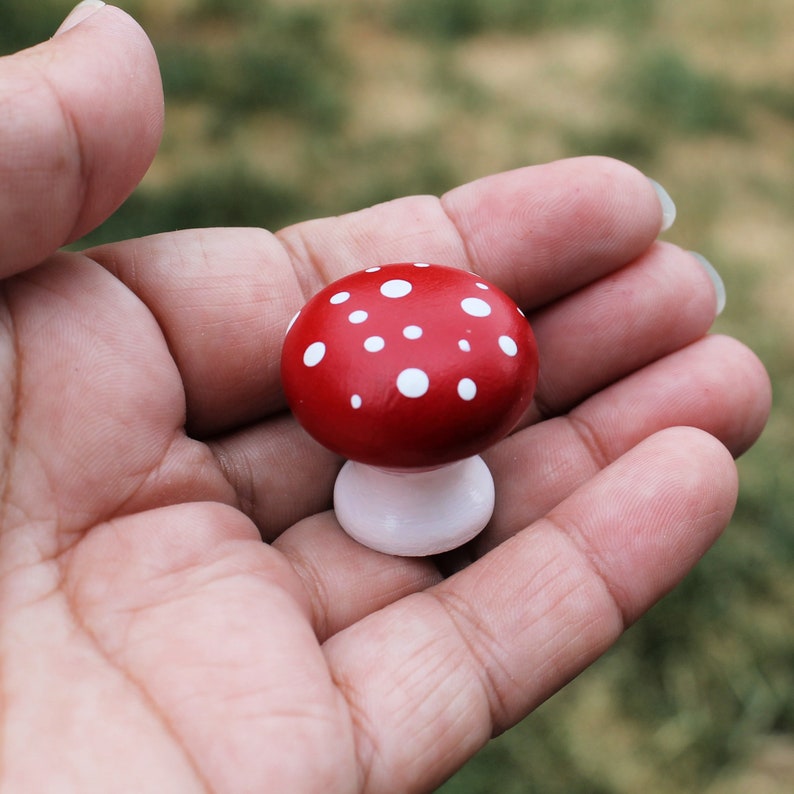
(708, 483)
(546, 230)
(87, 121)
(752, 391)
(706, 457)
(670, 499)
(694, 464)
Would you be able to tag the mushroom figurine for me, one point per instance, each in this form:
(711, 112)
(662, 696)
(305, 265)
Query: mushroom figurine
(410, 371)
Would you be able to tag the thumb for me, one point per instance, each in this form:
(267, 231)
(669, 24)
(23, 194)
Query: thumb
(80, 121)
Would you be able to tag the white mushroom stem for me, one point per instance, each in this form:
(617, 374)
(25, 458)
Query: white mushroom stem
(414, 513)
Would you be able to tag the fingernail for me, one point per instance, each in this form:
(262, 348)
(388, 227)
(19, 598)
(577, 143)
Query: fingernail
(668, 205)
(716, 280)
(78, 14)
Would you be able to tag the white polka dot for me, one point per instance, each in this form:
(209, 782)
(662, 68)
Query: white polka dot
(467, 389)
(314, 354)
(412, 332)
(292, 321)
(476, 307)
(357, 317)
(413, 382)
(340, 297)
(396, 288)
(421, 264)
(372, 270)
(464, 345)
(508, 345)
(356, 401)
(481, 285)
(374, 343)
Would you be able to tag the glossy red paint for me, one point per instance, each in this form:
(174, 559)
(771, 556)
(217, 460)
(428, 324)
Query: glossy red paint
(409, 365)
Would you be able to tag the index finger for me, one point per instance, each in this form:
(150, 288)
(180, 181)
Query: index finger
(538, 232)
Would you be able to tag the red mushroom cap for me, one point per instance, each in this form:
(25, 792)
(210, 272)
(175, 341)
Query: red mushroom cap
(409, 365)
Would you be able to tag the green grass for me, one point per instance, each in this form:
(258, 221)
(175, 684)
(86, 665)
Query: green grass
(277, 60)
(455, 19)
(230, 195)
(668, 91)
(23, 23)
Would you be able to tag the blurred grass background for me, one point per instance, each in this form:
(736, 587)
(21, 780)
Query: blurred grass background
(279, 111)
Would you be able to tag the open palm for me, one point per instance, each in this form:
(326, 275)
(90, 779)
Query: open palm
(150, 640)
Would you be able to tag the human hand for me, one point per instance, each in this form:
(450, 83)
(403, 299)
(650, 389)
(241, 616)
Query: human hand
(150, 640)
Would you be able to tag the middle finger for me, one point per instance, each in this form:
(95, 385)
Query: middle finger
(659, 304)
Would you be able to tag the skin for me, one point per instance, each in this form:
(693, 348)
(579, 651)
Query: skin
(149, 639)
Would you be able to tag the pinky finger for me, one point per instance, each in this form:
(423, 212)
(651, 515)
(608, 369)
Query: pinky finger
(473, 655)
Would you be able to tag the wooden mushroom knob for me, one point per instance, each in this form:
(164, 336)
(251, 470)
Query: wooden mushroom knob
(410, 371)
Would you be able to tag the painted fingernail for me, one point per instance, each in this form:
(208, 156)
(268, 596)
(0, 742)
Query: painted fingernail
(668, 205)
(716, 280)
(79, 14)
